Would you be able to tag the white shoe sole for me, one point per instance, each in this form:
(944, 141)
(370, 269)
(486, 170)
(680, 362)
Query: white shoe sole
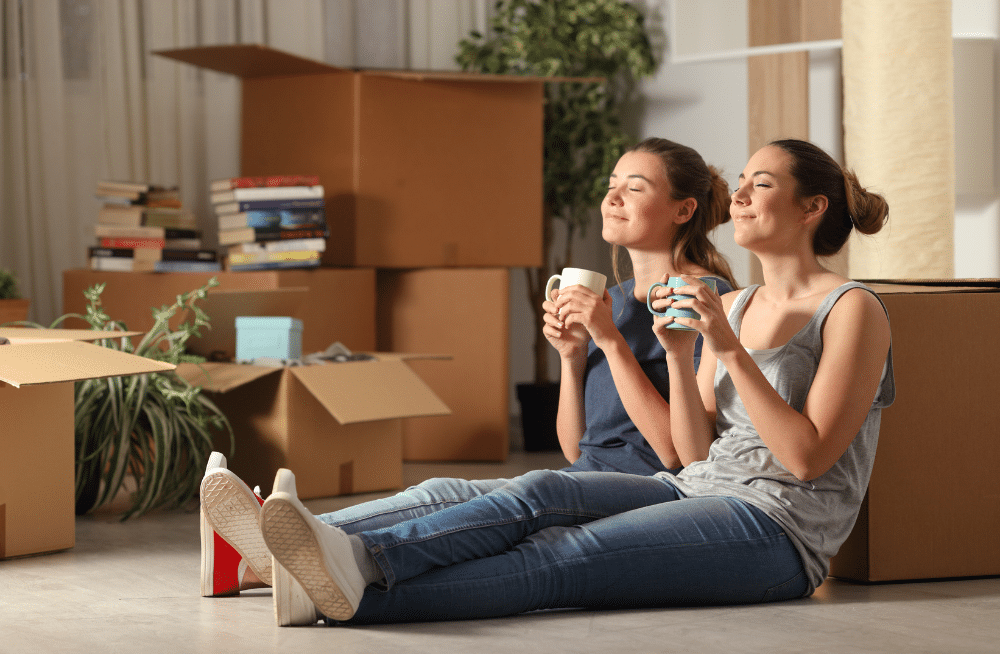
(292, 605)
(288, 529)
(233, 511)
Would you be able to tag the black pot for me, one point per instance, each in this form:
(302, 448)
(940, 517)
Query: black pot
(539, 406)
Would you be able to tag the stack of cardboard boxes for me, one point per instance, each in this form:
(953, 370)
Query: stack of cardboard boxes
(433, 187)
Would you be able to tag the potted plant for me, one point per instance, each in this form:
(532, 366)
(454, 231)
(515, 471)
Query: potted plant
(155, 429)
(583, 133)
(13, 308)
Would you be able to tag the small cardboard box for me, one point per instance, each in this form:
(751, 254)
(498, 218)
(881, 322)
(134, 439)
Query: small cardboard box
(37, 371)
(334, 304)
(933, 508)
(463, 313)
(387, 144)
(278, 337)
(337, 426)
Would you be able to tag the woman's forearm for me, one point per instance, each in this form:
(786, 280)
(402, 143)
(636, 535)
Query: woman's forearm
(693, 430)
(648, 410)
(571, 416)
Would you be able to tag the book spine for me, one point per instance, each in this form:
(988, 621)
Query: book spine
(283, 234)
(187, 266)
(115, 231)
(317, 244)
(268, 193)
(258, 205)
(112, 242)
(189, 255)
(274, 265)
(264, 257)
(270, 180)
(150, 254)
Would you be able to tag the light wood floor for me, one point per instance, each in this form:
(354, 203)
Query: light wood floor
(133, 587)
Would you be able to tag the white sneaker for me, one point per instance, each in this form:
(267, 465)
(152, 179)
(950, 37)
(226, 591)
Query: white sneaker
(292, 606)
(319, 556)
(231, 511)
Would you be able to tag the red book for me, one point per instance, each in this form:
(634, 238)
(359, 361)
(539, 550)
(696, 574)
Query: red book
(269, 180)
(125, 242)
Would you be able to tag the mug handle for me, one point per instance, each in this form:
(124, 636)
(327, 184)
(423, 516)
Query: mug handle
(649, 299)
(550, 285)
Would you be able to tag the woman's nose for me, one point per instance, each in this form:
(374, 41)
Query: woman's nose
(739, 196)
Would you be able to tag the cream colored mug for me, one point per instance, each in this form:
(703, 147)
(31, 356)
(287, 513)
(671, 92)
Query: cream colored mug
(595, 281)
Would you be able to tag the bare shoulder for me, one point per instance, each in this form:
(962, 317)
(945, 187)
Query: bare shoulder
(729, 298)
(859, 310)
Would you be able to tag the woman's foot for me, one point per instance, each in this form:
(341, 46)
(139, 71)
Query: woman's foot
(318, 556)
(233, 554)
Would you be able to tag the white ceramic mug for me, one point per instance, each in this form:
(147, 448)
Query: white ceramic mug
(569, 276)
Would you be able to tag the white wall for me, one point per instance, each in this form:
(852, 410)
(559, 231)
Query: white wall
(977, 214)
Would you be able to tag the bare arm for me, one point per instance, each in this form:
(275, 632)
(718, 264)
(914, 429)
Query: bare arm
(647, 409)
(855, 345)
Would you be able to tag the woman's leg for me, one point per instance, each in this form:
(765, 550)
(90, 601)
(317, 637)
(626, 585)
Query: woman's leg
(420, 500)
(496, 522)
(711, 550)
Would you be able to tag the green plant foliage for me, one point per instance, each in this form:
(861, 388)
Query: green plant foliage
(583, 132)
(8, 285)
(155, 427)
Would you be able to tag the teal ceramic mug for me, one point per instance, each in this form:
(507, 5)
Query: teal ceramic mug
(676, 282)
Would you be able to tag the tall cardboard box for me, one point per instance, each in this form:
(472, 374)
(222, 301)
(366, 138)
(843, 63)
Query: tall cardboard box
(463, 313)
(37, 469)
(933, 504)
(337, 426)
(420, 169)
(333, 304)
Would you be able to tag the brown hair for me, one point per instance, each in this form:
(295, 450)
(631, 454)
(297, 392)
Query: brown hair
(691, 177)
(849, 205)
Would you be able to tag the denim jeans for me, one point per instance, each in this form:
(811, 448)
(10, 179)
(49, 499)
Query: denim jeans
(552, 539)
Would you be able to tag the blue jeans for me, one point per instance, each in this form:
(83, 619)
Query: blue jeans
(552, 539)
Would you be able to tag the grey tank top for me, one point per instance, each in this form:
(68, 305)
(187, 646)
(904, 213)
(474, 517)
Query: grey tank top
(818, 515)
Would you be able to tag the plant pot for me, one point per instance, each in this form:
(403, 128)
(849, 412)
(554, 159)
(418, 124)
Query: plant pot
(539, 406)
(14, 310)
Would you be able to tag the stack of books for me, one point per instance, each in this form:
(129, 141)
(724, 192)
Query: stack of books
(144, 227)
(270, 222)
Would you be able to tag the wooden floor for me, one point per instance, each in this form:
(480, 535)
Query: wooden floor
(133, 587)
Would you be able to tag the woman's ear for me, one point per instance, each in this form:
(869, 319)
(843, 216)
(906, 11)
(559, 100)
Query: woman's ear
(814, 208)
(685, 211)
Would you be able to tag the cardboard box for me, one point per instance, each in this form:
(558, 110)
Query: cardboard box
(337, 426)
(420, 169)
(463, 313)
(37, 371)
(933, 508)
(333, 304)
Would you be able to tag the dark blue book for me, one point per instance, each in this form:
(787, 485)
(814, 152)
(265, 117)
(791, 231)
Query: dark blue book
(255, 205)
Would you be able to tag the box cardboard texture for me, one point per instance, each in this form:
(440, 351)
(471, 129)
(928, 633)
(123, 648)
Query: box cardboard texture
(933, 507)
(333, 304)
(463, 313)
(337, 426)
(37, 372)
(389, 147)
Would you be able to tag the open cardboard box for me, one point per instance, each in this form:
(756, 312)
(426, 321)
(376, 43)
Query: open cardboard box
(379, 140)
(37, 371)
(337, 426)
(933, 508)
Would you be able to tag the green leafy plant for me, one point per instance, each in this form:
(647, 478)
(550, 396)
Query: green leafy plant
(8, 285)
(156, 427)
(583, 132)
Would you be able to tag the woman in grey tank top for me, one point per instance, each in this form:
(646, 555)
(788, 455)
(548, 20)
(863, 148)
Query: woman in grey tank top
(777, 432)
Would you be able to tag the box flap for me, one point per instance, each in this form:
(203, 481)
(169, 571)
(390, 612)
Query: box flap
(223, 307)
(248, 60)
(360, 391)
(28, 335)
(890, 286)
(408, 356)
(46, 363)
(252, 60)
(222, 377)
